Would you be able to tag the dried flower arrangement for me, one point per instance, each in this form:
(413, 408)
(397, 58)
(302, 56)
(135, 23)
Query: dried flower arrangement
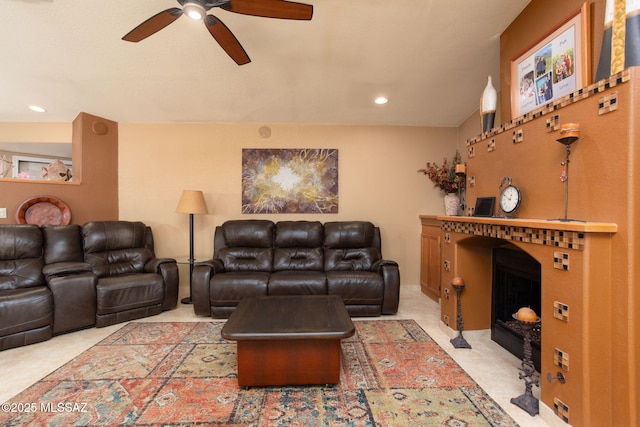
(444, 177)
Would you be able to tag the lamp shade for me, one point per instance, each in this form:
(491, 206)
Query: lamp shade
(192, 202)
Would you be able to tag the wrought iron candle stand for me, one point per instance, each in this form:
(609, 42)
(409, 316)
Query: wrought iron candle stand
(570, 133)
(527, 401)
(459, 341)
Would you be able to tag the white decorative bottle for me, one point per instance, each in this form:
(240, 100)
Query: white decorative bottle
(488, 102)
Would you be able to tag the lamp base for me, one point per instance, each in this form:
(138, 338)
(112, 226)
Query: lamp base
(459, 342)
(186, 300)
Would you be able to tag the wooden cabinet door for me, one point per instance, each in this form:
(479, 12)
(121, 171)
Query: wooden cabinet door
(430, 262)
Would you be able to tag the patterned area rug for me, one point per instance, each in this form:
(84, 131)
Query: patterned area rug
(177, 374)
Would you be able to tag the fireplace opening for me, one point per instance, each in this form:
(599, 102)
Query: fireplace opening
(516, 283)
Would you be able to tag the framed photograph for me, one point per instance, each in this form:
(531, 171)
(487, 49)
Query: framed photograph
(556, 65)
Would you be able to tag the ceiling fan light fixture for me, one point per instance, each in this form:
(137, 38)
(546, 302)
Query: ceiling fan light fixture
(194, 11)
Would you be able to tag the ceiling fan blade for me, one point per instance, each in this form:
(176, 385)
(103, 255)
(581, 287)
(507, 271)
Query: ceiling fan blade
(271, 9)
(153, 25)
(227, 40)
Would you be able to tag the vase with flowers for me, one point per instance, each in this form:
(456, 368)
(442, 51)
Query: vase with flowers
(447, 180)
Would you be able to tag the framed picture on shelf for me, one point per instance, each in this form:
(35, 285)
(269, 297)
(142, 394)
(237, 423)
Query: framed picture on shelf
(554, 66)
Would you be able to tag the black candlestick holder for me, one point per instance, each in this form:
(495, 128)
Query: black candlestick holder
(459, 341)
(527, 401)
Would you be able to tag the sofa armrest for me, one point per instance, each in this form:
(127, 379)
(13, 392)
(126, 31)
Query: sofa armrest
(65, 269)
(200, 286)
(215, 264)
(391, 277)
(168, 269)
(153, 265)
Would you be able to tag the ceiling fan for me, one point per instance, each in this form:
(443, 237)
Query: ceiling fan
(197, 9)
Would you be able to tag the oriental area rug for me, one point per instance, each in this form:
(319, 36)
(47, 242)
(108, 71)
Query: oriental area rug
(180, 374)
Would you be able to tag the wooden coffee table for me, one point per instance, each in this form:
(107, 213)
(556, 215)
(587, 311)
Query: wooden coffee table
(289, 340)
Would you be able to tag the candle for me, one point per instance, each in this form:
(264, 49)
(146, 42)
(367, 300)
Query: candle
(570, 130)
(461, 168)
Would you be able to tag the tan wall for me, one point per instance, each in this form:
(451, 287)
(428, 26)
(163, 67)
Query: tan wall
(378, 179)
(94, 194)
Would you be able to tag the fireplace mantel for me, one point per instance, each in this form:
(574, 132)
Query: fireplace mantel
(540, 224)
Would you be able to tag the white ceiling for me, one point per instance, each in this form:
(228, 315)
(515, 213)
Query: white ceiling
(431, 58)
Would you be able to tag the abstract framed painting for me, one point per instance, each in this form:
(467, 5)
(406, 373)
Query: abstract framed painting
(287, 180)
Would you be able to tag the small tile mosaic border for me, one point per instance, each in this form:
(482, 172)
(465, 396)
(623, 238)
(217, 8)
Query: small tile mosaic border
(561, 311)
(561, 409)
(555, 238)
(598, 87)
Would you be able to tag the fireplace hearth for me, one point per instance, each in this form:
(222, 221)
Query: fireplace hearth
(516, 283)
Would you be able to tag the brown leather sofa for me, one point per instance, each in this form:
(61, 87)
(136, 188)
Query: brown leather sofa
(57, 279)
(260, 257)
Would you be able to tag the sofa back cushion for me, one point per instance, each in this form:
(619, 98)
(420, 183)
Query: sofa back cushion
(351, 245)
(246, 259)
(116, 247)
(349, 234)
(20, 256)
(62, 243)
(245, 245)
(298, 246)
(350, 259)
(252, 233)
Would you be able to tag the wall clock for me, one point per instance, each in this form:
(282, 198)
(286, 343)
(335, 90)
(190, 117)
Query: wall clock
(510, 196)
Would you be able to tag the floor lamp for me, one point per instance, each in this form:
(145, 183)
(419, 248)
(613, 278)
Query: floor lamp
(191, 202)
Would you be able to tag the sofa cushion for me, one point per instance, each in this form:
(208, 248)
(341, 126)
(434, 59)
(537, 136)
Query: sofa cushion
(248, 233)
(62, 243)
(298, 283)
(298, 234)
(350, 259)
(227, 289)
(120, 293)
(246, 259)
(308, 259)
(118, 262)
(115, 247)
(348, 234)
(20, 256)
(356, 287)
(103, 236)
(25, 309)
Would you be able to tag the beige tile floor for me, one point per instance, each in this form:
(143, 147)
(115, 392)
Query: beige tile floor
(492, 367)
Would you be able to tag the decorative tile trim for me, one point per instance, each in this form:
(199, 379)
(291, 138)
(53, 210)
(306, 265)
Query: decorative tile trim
(556, 238)
(518, 136)
(608, 103)
(580, 94)
(561, 261)
(561, 359)
(561, 311)
(553, 123)
(561, 409)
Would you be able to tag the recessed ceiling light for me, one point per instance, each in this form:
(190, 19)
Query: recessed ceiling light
(37, 109)
(381, 100)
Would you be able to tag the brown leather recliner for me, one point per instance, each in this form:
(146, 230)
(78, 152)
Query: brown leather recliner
(26, 303)
(132, 282)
